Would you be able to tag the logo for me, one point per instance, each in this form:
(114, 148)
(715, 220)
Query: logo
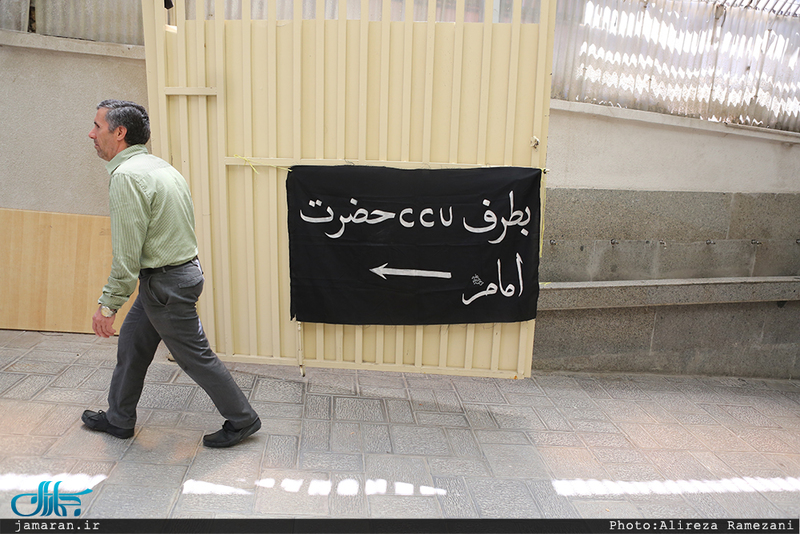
(48, 503)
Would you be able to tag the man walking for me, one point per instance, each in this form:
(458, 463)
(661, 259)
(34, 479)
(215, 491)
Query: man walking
(153, 239)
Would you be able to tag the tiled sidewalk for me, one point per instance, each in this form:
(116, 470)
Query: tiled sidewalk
(368, 444)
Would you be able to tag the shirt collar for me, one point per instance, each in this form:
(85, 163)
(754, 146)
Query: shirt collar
(124, 156)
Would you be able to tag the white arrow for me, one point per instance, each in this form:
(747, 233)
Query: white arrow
(382, 271)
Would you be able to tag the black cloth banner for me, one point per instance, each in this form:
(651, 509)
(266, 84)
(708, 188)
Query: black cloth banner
(378, 245)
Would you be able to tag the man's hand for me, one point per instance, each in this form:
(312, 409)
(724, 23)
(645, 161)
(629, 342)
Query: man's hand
(103, 326)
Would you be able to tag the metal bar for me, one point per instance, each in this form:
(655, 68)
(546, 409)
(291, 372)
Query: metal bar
(384, 88)
(513, 74)
(206, 239)
(458, 60)
(275, 188)
(408, 47)
(341, 100)
(362, 81)
(247, 125)
(428, 106)
(319, 82)
(222, 178)
(191, 91)
(486, 64)
(297, 79)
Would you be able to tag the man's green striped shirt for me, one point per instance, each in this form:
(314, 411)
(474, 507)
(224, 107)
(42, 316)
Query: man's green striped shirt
(152, 220)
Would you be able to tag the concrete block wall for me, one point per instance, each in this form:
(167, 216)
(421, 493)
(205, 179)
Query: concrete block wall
(650, 235)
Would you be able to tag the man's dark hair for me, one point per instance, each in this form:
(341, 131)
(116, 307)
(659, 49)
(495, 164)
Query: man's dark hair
(130, 115)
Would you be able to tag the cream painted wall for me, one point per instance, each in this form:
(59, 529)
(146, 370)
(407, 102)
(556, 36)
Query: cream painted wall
(49, 90)
(598, 147)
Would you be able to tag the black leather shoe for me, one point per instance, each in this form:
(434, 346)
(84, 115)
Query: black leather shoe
(229, 436)
(97, 421)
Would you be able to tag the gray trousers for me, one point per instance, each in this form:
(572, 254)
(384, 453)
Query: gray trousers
(166, 309)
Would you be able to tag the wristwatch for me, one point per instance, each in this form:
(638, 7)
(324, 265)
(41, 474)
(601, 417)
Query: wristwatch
(105, 311)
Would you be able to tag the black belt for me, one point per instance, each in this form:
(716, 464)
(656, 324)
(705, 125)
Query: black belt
(154, 270)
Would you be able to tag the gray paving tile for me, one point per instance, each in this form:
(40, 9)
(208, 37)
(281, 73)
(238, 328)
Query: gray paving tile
(132, 502)
(164, 446)
(81, 397)
(31, 465)
(752, 464)
(399, 411)
(479, 391)
(207, 499)
(498, 498)
(316, 435)
(478, 416)
(552, 419)
(375, 438)
(273, 410)
(516, 417)
(674, 437)
(459, 467)
(80, 442)
(73, 376)
(332, 384)
(165, 396)
(281, 452)
(7, 380)
(719, 438)
(606, 509)
(201, 402)
(233, 468)
(604, 439)
(25, 340)
(456, 502)
(353, 409)
(382, 392)
(404, 469)
(344, 501)
(619, 456)
(567, 464)
(161, 373)
(318, 407)
(22, 417)
(331, 461)
(345, 437)
(749, 416)
(441, 419)
(748, 505)
(463, 443)
(271, 390)
(448, 401)
(515, 461)
(141, 474)
(395, 506)
(555, 439)
(679, 465)
(423, 400)
(633, 472)
(28, 366)
(59, 420)
(292, 493)
(552, 505)
(28, 387)
(419, 440)
(506, 437)
(517, 399)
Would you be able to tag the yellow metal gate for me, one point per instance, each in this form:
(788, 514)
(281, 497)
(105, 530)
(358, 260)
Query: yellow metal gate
(241, 90)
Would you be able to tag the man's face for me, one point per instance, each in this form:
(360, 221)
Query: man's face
(108, 144)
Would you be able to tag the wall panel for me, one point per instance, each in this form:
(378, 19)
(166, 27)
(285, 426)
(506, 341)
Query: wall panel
(238, 102)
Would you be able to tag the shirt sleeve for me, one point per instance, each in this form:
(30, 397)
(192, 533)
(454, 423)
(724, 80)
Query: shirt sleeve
(130, 215)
